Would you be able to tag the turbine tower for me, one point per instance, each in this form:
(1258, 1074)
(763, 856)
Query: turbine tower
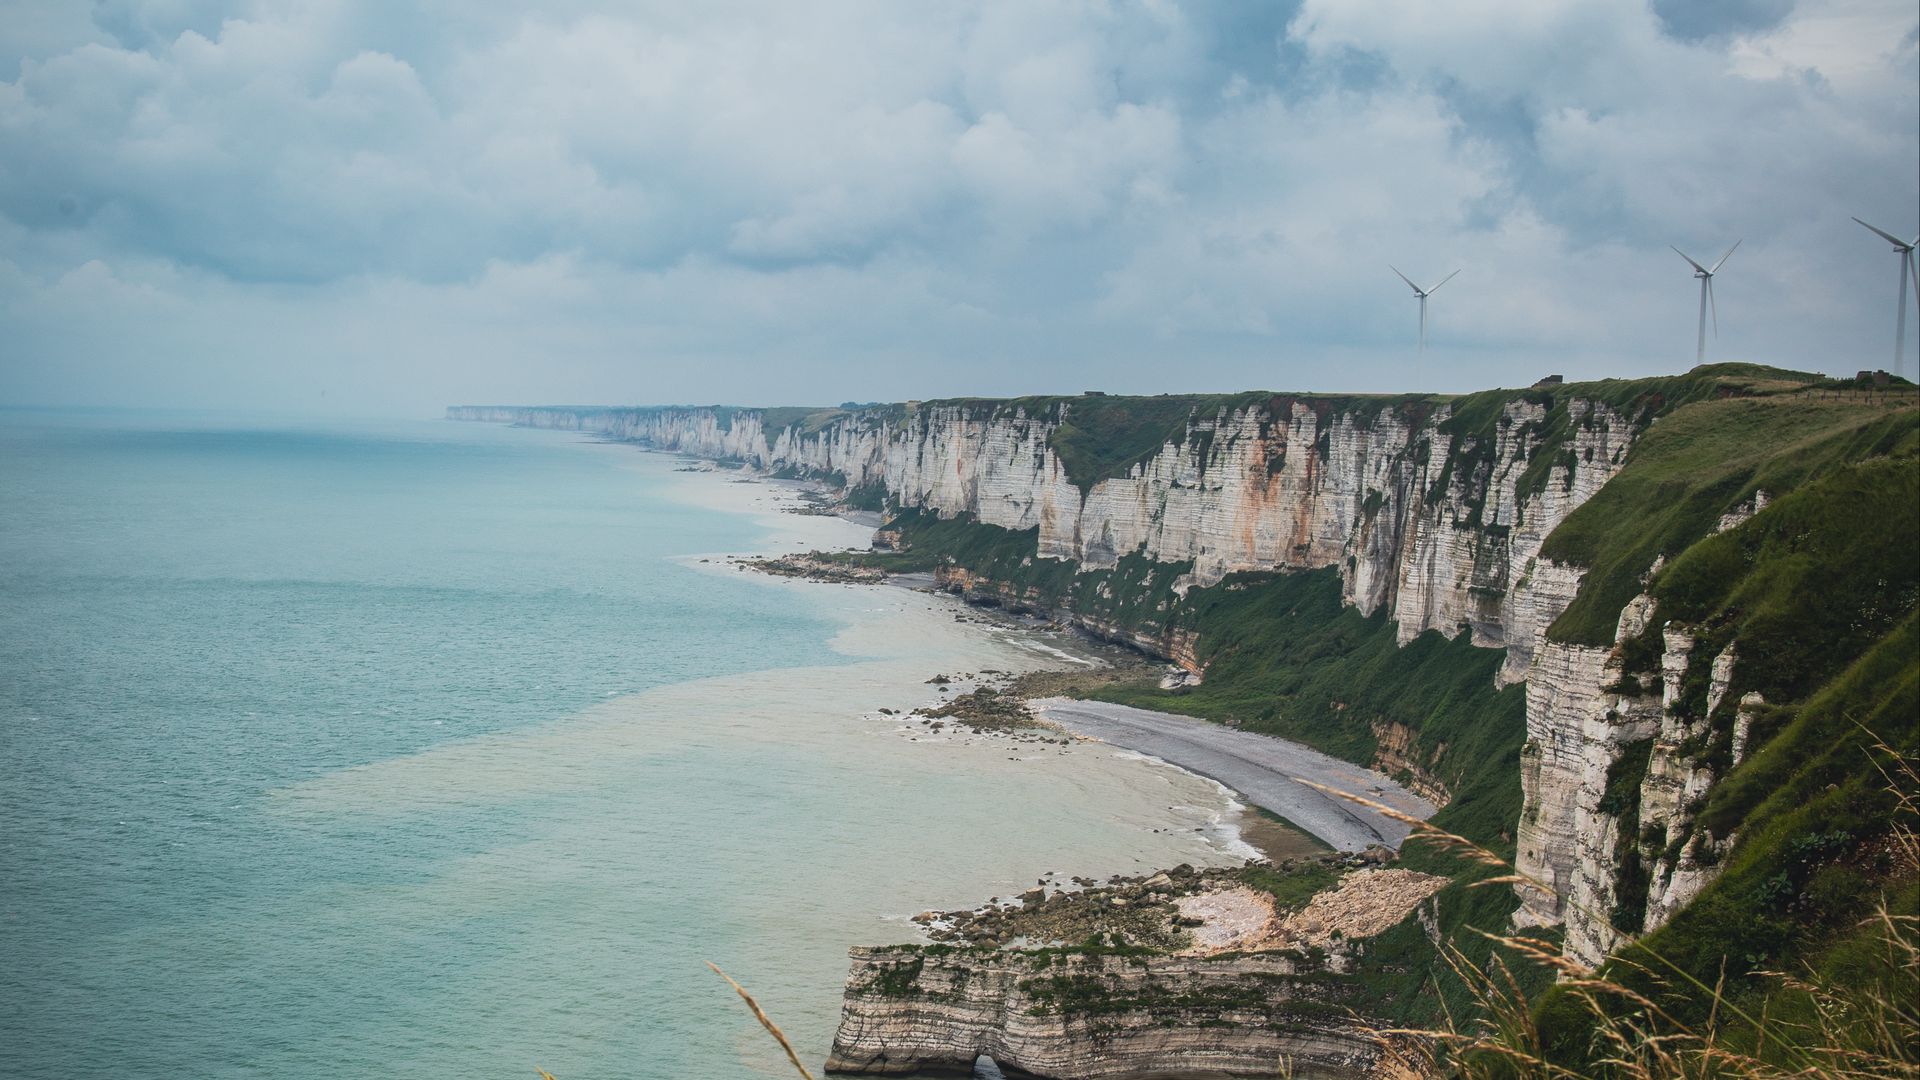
(1904, 249)
(1706, 296)
(1422, 294)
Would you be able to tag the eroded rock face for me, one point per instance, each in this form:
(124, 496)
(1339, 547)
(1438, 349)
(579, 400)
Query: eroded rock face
(1582, 714)
(909, 1009)
(1396, 755)
(1574, 732)
(1675, 787)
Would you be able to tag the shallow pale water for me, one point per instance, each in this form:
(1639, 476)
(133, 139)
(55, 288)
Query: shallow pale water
(430, 749)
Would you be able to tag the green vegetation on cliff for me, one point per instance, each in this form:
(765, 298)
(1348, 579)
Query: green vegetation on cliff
(1688, 470)
(1136, 595)
(1818, 596)
(1816, 810)
(1284, 656)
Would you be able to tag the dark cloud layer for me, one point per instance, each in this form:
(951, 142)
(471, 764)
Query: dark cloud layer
(257, 203)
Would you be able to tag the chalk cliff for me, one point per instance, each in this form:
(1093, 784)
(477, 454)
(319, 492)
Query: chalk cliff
(1611, 830)
(1438, 522)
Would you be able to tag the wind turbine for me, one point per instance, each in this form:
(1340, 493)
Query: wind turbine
(1904, 249)
(1422, 294)
(1706, 296)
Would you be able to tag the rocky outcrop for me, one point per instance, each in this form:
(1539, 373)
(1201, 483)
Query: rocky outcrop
(1365, 903)
(1397, 754)
(1068, 1014)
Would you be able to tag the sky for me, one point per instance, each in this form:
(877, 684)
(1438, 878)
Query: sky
(380, 209)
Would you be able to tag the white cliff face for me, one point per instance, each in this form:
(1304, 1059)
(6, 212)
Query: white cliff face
(1576, 730)
(909, 1011)
(1581, 715)
(1543, 590)
(1292, 484)
(1485, 575)
(1593, 896)
(1673, 792)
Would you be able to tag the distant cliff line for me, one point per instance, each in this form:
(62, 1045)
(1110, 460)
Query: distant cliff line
(1425, 507)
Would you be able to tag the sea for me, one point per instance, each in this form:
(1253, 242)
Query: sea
(426, 749)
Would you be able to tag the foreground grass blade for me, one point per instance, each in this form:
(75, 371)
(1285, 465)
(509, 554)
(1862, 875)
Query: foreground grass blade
(760, 1015)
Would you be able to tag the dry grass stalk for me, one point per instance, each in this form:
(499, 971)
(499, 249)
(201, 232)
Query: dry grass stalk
(1442, 839)
(765, 1021)
(1853, 1033)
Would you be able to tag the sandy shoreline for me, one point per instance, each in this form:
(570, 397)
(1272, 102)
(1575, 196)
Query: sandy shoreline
(1261, 768)
(1256, 770)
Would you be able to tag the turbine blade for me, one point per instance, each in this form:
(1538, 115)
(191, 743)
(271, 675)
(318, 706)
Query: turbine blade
(1724, 258)
(1405, 278)
(1913, 264)
(1714, 305)
(1887, 236)
(1690, 261)
(1443, 281)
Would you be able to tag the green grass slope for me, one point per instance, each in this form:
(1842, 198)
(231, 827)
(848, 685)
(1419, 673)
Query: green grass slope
(1285, 657)
(1819, 595)
(1693, 466)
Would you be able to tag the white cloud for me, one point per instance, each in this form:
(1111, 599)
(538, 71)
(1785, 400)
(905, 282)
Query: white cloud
(927, 198)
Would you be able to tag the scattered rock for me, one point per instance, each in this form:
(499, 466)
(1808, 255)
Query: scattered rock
(816, 567)
(1221, 919)
(987, 709)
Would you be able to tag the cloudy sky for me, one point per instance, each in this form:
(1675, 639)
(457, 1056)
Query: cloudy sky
(381, 208)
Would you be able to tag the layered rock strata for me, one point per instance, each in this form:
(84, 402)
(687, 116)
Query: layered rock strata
(1584, 711)
(1077, 1016)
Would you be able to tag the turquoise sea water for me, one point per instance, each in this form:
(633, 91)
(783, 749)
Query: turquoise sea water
(428, 749)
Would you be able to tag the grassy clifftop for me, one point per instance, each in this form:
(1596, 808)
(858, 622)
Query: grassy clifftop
(1100, 436)
(1695, 465)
